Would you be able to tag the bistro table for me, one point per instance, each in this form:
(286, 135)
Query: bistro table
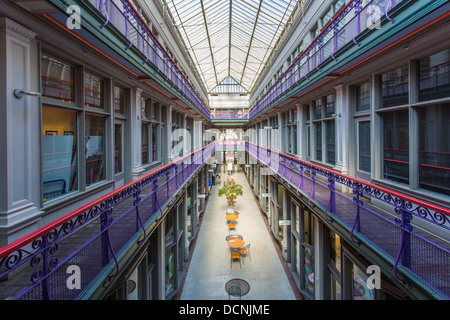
(231, 216)
(242, 286)
(235, 243)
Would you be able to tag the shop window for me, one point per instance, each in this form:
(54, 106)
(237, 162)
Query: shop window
(280, 217)
(318, 127)
(95, 143)
(360, 290)
(331, 141)
(132, 285)
(290, 118)
(434, 150)
(363, 97)
(335, 251)
(117, 148)
(324, 127)
(169, 262)
(170, 251)
(308, 141)
(189, 223)
(296, 259)
(93, 91)
(434, 76)
(364, 146)
(146, 108)
(330, 105)
(317, 109)
(336, 293)
(119, 100)
(296, 218)
(338, 5)
(394, 87)
(59, 152)
(396, 146)
(156, 112)
(154, 139)
(144, 147)
(57, 79)
(308, 251)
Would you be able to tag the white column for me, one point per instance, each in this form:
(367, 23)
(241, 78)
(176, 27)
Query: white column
(20, 171)
(169, 134)
(342, 123)
(186, 140)
(281, 134)
(161, 261)
(318, 245)
(198, 134)
(136, 134)
(301, 141)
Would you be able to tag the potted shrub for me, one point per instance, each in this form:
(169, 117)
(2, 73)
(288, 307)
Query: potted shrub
(231, 190)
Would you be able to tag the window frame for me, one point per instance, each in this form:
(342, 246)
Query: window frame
(413, 124)
(78, 106)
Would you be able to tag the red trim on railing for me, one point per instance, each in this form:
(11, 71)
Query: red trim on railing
(14, 246)
(425, 204)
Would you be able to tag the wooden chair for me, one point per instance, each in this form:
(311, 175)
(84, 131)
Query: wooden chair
(235, 255)
(245, 251)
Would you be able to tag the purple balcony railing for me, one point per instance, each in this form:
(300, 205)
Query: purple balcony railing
(122, 15)
(93, 236)
(341, 30)
(229, 115)
(419, 253)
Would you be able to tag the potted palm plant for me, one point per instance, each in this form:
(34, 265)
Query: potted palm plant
(231, 190)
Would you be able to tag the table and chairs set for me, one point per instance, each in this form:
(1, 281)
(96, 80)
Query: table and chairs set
(238, 248)
(238, 251)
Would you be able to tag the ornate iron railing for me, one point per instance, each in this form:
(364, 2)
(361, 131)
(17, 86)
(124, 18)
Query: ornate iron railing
(231, 114)
(422, 254)
(344, 28)
(122, 15)
(92, 237)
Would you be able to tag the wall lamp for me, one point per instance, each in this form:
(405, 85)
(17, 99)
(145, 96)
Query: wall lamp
(18, 93)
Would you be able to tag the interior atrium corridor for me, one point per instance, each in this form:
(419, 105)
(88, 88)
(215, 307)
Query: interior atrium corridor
(210, 268)
(121, 121)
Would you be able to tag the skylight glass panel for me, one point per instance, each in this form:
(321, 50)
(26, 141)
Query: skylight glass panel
(242, 33)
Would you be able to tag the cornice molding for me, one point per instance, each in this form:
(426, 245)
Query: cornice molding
(12, 26)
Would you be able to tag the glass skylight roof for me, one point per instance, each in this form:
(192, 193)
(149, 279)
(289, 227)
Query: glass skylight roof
(230, 38)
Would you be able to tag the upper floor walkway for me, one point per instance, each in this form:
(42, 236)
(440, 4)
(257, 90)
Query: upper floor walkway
(407, 236)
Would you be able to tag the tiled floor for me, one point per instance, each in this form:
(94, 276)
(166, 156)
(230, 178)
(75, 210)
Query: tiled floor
(210, 269)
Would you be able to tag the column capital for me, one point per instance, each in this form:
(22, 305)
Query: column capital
(339, 88)
(11, 27)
